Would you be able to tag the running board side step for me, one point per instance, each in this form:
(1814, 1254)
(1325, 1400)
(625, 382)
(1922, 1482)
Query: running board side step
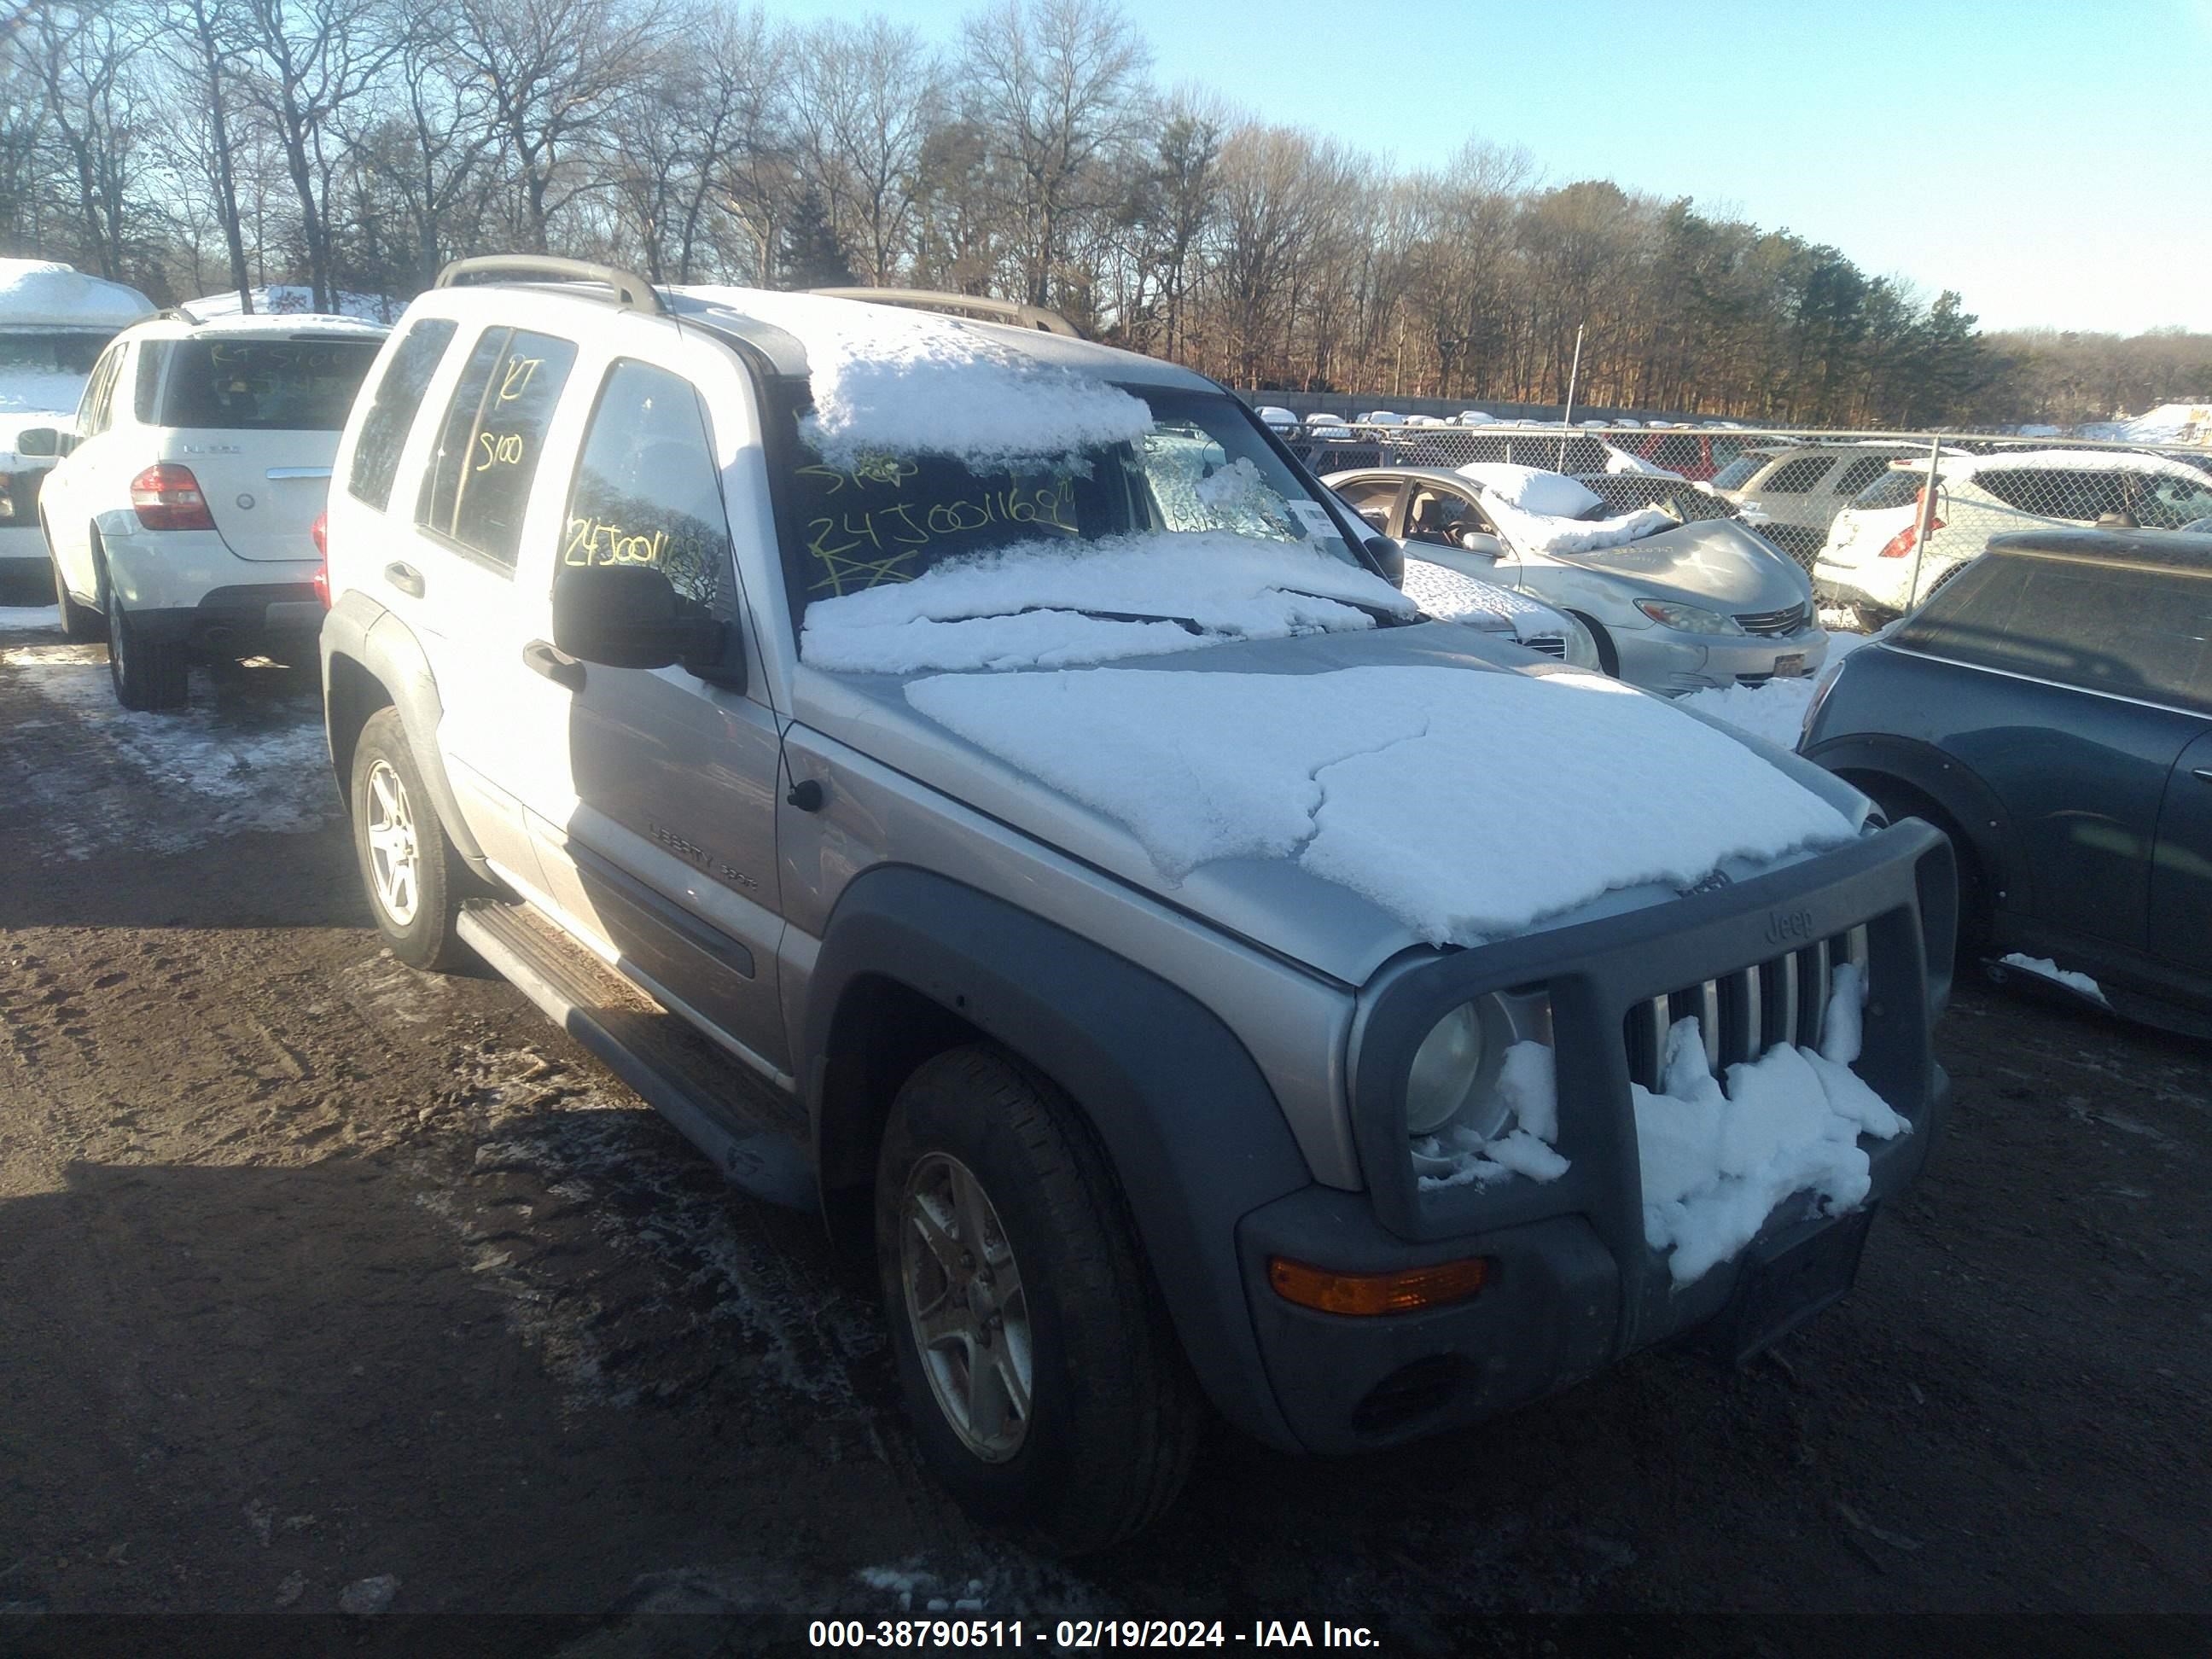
(754, 1137)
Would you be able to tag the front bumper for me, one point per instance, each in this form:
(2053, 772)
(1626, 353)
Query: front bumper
(1662, 659)
(1573, 1286)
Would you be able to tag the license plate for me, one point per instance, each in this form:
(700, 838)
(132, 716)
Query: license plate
(1785, 1286)
(1790, 667)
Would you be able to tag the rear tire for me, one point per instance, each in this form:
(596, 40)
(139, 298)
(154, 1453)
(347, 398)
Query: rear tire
(993, 1204)
(414, 878)
(147, 673)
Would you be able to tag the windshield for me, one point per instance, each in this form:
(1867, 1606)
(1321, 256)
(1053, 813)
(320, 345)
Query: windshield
(1199, 528)
(52, 352)
(299, 385)
(1899, 487)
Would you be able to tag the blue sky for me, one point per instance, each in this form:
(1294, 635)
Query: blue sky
(2050, 158)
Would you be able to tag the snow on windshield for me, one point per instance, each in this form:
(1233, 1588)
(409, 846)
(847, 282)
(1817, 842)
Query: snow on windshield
(1387, 780)
(1536, 511)
(888, 381)
(1025, 605)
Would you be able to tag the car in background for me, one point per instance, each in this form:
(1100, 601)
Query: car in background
(1791, 493)
(2051, 710)
(1695, 454)
(1280, 422)
(1872, 559)
(181, 517)
(1674, 607)
(54, 322)
(1624, 492)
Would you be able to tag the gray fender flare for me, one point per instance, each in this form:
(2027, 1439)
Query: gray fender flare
(1971, 805)
(364, 643)
(1193, 1133)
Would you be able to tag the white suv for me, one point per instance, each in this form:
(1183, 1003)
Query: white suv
(180, 517)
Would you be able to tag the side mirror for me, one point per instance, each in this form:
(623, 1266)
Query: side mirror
(629, 616)
(38, 441)
(1489, 546)
(1390, 557)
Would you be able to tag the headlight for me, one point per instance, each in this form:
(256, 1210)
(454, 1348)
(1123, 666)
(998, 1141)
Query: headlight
(1581, 648)
(1453, 1081)
(1687, 618)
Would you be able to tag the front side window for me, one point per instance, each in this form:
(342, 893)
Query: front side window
(476, 489)
(1442, 516)
(239, 385)
(392, 414)
(647, 490)
(2167, 500)
(1372, 499)
(91, 413)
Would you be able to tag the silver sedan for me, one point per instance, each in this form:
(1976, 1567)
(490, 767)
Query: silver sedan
(1674, 607)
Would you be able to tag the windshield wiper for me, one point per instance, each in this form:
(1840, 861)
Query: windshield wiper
(1384, 616)
(1189, 625)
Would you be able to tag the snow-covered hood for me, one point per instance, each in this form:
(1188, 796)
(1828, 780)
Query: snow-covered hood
(1338, 799)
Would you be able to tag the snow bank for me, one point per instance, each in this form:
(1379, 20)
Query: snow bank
(1775, 710)
(40, 293)
(1718, 1157)
(1019, 607)
(2044, 967)
(892, 381)
(1450, 596)
(1528, 1085)
(1398, 783)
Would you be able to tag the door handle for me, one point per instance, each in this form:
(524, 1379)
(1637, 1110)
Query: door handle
(2202, 774)
(406, 577)
(561, 670)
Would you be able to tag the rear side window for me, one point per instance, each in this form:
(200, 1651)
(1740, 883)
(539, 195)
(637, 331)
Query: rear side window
(1795, 478)
(398, 395)
(264, 386)
(2134, 630)
(1894, 490)
(92, 412)
(1738, 471)
(477, 487)
(151, 357)
(2057, 492)
(1859, 474)
(1676, 452)
(647, 490)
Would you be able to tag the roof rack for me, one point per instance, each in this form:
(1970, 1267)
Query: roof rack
(632, 292)
(931, 298)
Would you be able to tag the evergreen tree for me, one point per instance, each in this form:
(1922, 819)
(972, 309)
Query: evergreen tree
(812, 256)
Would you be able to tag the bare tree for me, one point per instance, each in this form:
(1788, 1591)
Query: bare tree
(204, 41)
(81, 58)
(1056, 84)
(865, 97)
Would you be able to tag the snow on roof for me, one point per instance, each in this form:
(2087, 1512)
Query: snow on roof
(40, 294)
(1320, 417)
(890, 380)
(1619, 460)
(1382, 779)
(287, 323)
(1023, 606)
(1274, 416)
(2095, 460)
(1476, 417)
(1538, 511)
(278, 298)
(1382, 417)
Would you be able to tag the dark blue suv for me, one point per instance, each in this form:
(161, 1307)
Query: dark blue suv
(2051, 710)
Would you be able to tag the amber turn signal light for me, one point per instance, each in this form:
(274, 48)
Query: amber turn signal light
(1407, 1291)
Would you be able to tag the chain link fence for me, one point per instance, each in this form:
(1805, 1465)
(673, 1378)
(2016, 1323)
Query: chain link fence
(1878, 520)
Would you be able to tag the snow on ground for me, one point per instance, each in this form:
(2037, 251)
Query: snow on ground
(29, 619)
(293, 299)
(1397, 782)
(1717, 1156)
(2044, 967)
(1775, 710)
(230, 763)
(40, 294)
(904, 382)
(1021, 607)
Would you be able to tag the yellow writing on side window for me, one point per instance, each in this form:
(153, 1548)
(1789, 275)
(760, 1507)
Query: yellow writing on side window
(498, 449)
(595, 541)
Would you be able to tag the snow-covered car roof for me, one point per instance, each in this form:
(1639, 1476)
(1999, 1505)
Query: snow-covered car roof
(281, 323)
(1962, 465)
(291, 299)
(40, 293)
(1382, 417)
(1274, 416)
(1320, 417)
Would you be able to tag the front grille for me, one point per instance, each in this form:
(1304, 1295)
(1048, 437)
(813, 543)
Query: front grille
(1551, 644)
(1774, 622)
(1743, 1014)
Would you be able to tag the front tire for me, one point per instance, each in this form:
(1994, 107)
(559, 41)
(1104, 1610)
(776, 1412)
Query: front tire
(414, 878)
(1608, 654)
(147, 673)
(1044, 1382)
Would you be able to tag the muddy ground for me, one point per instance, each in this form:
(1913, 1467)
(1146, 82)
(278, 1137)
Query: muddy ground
(314, 1270)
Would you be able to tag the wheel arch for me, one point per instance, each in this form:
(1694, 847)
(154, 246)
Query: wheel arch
(1906, 777)
(913, 963)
